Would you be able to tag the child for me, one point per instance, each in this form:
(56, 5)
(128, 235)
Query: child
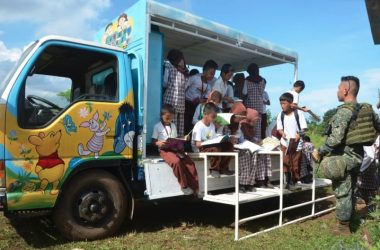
(262, 163)
(254, 89)
(214, 97)
(306, 172)
(291, 125)
(205, 130)
(175, 79)
(298, 87)
(183, 167)
(247, 168)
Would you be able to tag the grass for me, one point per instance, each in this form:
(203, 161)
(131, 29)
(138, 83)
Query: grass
(189, 224)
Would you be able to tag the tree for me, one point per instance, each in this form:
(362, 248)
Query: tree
(65, 94)
(326, 118)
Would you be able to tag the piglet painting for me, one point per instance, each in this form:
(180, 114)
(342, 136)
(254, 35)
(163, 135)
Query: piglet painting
(95, 144)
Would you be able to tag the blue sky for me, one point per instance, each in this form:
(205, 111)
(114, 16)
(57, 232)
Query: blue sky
(332, 38)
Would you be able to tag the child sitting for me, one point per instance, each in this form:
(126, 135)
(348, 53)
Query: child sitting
(261, 168)
(306, 172)
(291, 125)
(214, 97)
(205, 130)
(183, 167)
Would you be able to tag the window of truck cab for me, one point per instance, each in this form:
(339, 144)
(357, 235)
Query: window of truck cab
(62, 75)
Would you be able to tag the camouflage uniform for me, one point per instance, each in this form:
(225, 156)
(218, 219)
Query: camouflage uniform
(341, 163)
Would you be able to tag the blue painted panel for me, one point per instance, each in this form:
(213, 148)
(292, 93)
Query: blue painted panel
(154, 81)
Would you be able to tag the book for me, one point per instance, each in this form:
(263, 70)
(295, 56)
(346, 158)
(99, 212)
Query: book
(216, 140)
(270, 143)
(248, 145)
(237, 99)
(174, 144)
(223, 119)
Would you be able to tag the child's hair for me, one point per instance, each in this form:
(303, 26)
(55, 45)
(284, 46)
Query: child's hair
(167, 108)
(300, 84)
(226, 68)
(286, 97)
(253, 69)
(215, 96)
(306, 138)
(238, 76)
(193, 72)
(210, 64)
(210, 108)
(175, 56)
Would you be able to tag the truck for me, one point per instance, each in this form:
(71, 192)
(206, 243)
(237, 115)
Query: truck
(76, 119)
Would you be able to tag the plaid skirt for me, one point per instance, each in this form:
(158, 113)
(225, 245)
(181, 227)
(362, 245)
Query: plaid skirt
(263, 165)
(306, 166)
(369, 178)
(247, 168)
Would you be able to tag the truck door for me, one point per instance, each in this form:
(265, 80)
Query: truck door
(71, 104)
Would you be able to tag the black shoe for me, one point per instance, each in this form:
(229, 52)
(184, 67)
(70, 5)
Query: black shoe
(307, 180)
(260, 184)
(269, 185)
(242, 189)
(227, 172)
(250, 188)
(292, 187)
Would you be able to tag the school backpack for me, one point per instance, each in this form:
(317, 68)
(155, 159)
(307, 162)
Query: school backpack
(361, 129)
(275, 132)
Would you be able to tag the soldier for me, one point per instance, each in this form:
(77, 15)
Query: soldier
(353, 126)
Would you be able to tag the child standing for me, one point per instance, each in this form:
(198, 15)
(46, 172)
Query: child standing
(291, 125)
(306, 172)
(254, 89)
(205, 130)
(175, 79)
(183, 167)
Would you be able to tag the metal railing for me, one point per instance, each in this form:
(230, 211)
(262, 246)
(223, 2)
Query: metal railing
(279, 191)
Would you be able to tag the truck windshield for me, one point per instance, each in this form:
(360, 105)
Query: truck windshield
(26, 52)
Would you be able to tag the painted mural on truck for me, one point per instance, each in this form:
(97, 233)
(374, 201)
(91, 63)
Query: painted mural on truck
(39, 161)
(119, 32)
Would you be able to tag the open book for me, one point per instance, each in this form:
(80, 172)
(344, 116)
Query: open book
(248, 145)
(174, 144)
(216, 140)
(223, 119)
(270, 143)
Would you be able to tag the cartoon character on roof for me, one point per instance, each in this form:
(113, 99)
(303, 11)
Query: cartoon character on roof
(119, 32)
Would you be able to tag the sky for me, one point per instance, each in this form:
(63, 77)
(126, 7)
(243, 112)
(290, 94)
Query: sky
(332, 38)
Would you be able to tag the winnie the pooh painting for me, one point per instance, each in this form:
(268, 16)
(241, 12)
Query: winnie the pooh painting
(50, 167)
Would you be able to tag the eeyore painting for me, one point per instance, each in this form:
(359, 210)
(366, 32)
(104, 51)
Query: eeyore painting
(124, 128)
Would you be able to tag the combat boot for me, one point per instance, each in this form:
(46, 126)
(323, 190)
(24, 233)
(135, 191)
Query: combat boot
(342, 229)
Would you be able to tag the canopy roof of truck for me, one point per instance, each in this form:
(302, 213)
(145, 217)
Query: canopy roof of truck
(201, 39)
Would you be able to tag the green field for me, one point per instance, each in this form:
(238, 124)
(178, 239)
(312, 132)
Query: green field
(189, 224)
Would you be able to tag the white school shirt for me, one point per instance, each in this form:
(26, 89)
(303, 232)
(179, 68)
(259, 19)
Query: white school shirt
(201, 132)
(221, 86)
(265, 99)
(160, 134)
(291, 127)
(296, 97)
(194, 86)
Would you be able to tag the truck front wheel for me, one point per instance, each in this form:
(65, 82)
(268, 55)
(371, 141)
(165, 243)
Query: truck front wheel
(93, 205)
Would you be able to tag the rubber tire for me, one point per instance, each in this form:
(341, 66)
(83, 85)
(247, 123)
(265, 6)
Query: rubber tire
(66, 221)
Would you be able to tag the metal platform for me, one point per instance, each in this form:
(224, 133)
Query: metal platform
(262, 193)
(236, 199)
